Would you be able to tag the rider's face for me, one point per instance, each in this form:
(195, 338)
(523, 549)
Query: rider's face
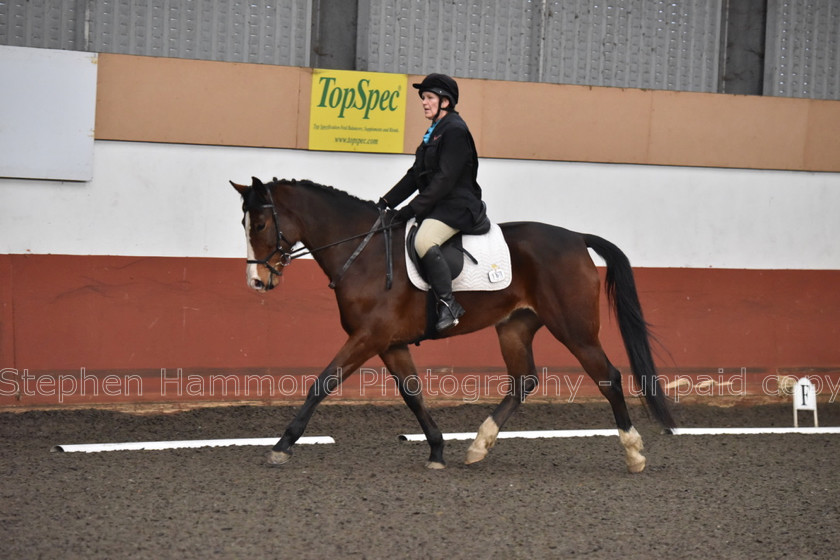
(431, 102)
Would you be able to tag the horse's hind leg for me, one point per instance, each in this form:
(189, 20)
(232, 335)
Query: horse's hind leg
(610, 386)
(516, 335)
(398, 361)
(597, 365)
(572, 315)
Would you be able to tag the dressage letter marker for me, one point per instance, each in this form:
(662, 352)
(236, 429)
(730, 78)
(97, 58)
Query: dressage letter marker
(804, 398)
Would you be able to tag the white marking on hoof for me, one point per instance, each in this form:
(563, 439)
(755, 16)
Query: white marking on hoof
(434, 465)
(632, 442)
(474, 455)
(278, 457)
(485, 439)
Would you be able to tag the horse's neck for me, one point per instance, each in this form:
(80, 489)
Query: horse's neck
(327, 219)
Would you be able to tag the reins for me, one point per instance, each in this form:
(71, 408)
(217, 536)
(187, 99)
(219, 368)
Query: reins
(287, 256)
(358, 250)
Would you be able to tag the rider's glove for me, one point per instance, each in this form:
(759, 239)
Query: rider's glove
(404, 214)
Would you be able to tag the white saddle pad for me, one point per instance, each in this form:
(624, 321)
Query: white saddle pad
(493, 271)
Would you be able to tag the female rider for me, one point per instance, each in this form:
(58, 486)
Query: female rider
(448, 197)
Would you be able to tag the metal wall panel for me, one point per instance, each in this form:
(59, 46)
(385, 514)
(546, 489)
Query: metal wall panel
(271, 32)
(802, 57)
(658, 44)
(50, 24)
(470, 38)
(260, 31)
(663, 44)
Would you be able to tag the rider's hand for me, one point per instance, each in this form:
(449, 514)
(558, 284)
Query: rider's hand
(404, 214)
(382, 204)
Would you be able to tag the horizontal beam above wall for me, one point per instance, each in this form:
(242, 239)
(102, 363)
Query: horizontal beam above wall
(172, 100)
(231, 104)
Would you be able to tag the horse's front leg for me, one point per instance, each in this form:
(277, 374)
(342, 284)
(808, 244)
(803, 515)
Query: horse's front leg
(398, 361)
(353, 354)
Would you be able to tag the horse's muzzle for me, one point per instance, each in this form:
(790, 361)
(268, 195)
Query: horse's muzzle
(259, 285)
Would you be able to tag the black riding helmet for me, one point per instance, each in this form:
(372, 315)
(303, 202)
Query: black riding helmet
(441, 85)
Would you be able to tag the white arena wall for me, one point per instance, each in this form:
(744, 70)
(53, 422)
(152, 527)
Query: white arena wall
(170, 200)
(139, 274)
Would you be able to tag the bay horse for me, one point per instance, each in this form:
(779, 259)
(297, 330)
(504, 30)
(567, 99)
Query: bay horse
(555, 285)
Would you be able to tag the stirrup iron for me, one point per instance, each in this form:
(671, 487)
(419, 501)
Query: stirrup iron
(448, 315)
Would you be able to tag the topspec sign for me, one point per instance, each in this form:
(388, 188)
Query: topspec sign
(357, 111)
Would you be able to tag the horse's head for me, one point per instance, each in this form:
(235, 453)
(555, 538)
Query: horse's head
(269, 234)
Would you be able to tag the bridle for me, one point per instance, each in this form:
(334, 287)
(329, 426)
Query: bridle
(288, 255)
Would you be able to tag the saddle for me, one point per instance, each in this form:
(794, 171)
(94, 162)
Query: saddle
(453, 253)
(478, 262)
(452, 250)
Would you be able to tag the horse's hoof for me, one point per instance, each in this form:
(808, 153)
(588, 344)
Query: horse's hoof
(632, 442)
(276, 458)
(434, 465)
(636, 466)
(474, 455)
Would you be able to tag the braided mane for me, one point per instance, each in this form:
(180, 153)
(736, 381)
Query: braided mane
(328, 190)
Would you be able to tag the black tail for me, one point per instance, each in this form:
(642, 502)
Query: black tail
(624, 299)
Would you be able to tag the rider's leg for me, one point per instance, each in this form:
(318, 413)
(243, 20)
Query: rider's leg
(430, 236)
(431, 233)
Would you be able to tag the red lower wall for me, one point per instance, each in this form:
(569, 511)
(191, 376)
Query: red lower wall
(88, 329)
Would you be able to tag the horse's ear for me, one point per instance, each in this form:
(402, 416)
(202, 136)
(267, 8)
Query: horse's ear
(256, 183)
(241, 189)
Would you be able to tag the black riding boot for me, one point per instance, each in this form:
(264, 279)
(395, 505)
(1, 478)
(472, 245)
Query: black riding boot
(440, 279)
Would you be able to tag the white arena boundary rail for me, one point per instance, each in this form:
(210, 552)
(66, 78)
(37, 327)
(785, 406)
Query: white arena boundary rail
(539, 434)
(457, 436)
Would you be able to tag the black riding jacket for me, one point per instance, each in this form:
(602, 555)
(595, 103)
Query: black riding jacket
(444, 173)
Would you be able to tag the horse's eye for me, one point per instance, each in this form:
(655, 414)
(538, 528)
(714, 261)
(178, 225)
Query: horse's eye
(260, 227)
